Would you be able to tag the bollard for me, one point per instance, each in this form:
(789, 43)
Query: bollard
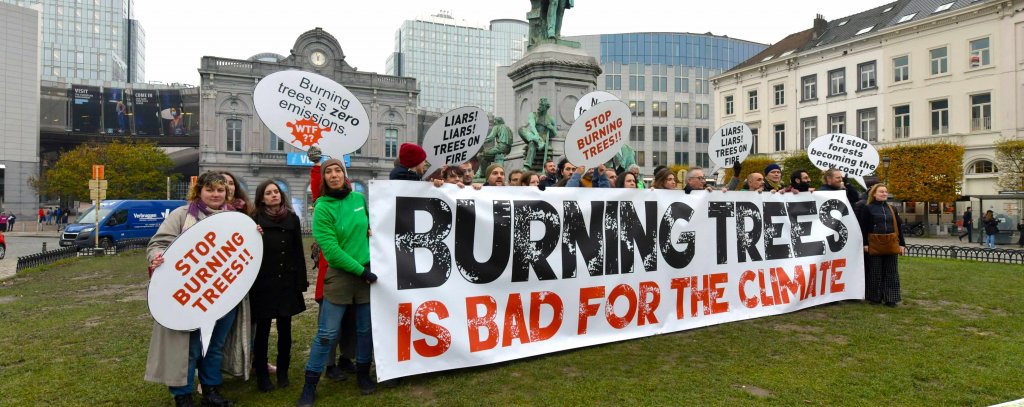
(44, 247)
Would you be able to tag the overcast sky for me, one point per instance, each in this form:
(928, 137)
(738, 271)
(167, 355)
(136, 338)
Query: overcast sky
(179, 33)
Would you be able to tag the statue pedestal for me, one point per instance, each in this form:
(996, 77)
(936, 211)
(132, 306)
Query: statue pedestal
(560, 73)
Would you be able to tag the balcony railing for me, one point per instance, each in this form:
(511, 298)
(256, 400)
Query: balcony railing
(902, 132)
(981, 123)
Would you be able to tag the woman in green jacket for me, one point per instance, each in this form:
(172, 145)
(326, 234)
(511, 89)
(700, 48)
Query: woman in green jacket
(341, 228)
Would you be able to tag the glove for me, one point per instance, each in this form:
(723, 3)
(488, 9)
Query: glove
(314, 154)
(368, 275)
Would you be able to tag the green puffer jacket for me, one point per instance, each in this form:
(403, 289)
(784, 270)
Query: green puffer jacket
(340, 227)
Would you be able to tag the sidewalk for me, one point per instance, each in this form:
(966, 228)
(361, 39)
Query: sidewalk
(947, 240)
(33, 229)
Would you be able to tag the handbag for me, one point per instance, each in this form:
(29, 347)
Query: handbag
(885, 244)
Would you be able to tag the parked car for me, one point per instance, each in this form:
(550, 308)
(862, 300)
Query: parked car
(3, 246)
(118, 219)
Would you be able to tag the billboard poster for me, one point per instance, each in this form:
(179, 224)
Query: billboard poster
(85, 109)
(172, 114)
(115, 109)
(146, 111)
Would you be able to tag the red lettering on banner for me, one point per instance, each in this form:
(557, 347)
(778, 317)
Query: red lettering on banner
(798, 284)
(587, 309)
(811, 289)
(181, 266)
(748, 301)
(204, 275)
(229, 276)
(475, 321)
(404, 331)
(515, 322)
(766, 300)
(617, 322)
(837, 274)
(648, 308)
(538, 333)
(707, 291)
(181, 296)
(789, 285)
(220, 285)
(681, 284)
(441, 335)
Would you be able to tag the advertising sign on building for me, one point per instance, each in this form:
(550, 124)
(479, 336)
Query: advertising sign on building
(172, 114)
(115, 112)
(146, 110)
(85, 109)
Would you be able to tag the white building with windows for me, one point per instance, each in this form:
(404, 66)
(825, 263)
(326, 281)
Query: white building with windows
(905, 72)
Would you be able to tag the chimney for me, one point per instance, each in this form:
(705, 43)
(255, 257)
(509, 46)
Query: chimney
(820, 24)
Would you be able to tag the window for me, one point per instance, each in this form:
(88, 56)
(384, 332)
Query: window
(901, 120)
(682, 110)
(703, 160)
(659, 133)
(636, 133)
(943, 7)
(867, 124)
(753, 144)
(780, 94)
(940, 63)
(981, 112)
(703, 111)
(906, 18)
(682, 158)
(981, 167)
(276, 143)
(703, 135)
(940, 116)
(390, 143)
(901, 69)
(659, 109)
(637, 107)
(681, 81)
(234, 130)
(613, 77)
(682, 134)
(864, 30)
(703, 87)
(808, 131)
(980, 53)
(728, 105)
(837, 82)
(780, 137)
(810, 87)
(641, 158)
(636, 77)
(837, 123)
(659, 80)
(659, 158)
(866, 73)
(752, 100)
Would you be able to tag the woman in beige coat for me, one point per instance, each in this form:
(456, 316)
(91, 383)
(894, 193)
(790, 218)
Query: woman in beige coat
(174, 355)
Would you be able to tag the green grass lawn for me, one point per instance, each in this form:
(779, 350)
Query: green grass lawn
(76, 333)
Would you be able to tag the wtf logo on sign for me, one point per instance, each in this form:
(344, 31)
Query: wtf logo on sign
(306, 132)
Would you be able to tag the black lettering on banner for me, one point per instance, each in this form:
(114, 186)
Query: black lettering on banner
(798, 229)
(675, 258)
(773, 230)
(465, 228)
(611, 238)
(574, 234)
(721, 211)
(526, 252)
(835, 243)
(746, 242)
(636, 238)
(407, 241)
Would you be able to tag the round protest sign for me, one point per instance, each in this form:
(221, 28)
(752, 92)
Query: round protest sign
(590, 100)
(849, 154)
(305, 109)
(731, 143)
(456, 136)
(597, 135)
(206, 272)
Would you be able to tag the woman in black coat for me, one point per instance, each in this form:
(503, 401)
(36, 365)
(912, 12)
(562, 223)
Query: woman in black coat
(882, 278)
(277, 292)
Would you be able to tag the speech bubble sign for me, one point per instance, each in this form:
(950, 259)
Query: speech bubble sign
(206, 272)
(731, 143)
(590, 100)
(597, 135)
(305, 109)
(456, 136)
(849, 154)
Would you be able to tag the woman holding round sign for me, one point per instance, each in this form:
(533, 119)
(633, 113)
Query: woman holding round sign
(341, 227)
(175, 355)
(277, 292)
(883, 242)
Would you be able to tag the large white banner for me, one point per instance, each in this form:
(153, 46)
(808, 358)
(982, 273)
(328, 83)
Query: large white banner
(470, 277)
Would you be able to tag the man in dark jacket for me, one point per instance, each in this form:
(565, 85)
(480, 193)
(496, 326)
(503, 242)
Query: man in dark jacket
(412, 163)
(833, 180)
(968, 225)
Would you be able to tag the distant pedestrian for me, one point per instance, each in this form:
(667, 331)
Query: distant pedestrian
(42, 216)
(991, 226)
(10, 222)
(1020, 228)
(3, 222)
(968, 224)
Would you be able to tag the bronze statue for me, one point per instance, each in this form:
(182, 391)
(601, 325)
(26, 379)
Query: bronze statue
(537, 133)
(502, 137)
(545, 19)
(625, 158)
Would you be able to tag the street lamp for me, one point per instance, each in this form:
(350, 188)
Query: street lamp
(885, 170)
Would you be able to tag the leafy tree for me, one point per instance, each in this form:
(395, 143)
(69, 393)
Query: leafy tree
(1010, 164)
(753, 163)
(800, 161)
(133, 169)
(924, 172)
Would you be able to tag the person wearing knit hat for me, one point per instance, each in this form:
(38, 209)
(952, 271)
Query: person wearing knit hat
(772, 178)
(495, 175)
(412, 163)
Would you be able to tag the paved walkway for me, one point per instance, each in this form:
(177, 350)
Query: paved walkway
(953, 241)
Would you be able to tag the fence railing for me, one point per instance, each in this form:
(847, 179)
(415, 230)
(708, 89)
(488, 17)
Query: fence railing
(51, 256)
(1011, 256)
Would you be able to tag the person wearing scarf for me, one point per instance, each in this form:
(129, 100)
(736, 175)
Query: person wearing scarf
(236, 197)
(174, 355)
(277, 292)
(341, 227)
(772, 178)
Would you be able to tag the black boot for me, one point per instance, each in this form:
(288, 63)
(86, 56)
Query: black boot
(263, 378)
(212, 397)
(335, 373)
(366, 384)
(309, 389)
(345, 364)
(282, 372)
(183, 401)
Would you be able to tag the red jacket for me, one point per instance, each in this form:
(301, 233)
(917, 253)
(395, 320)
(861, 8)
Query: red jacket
(315, 176)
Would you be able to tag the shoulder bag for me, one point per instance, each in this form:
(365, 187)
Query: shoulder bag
(885, 244)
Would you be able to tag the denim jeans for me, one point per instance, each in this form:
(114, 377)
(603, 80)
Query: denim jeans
(327, 334)
(990, 241)
(209, 365)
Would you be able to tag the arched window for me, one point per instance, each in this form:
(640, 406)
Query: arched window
(982, 167)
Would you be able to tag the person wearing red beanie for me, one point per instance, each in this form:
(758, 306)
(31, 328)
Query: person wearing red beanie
(412, 163)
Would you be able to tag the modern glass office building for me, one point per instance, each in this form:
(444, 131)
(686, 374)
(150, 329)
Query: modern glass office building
(89, 40)
(454, 61)
(666, 80)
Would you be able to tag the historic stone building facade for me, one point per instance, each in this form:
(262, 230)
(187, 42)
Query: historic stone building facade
(233, 138)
